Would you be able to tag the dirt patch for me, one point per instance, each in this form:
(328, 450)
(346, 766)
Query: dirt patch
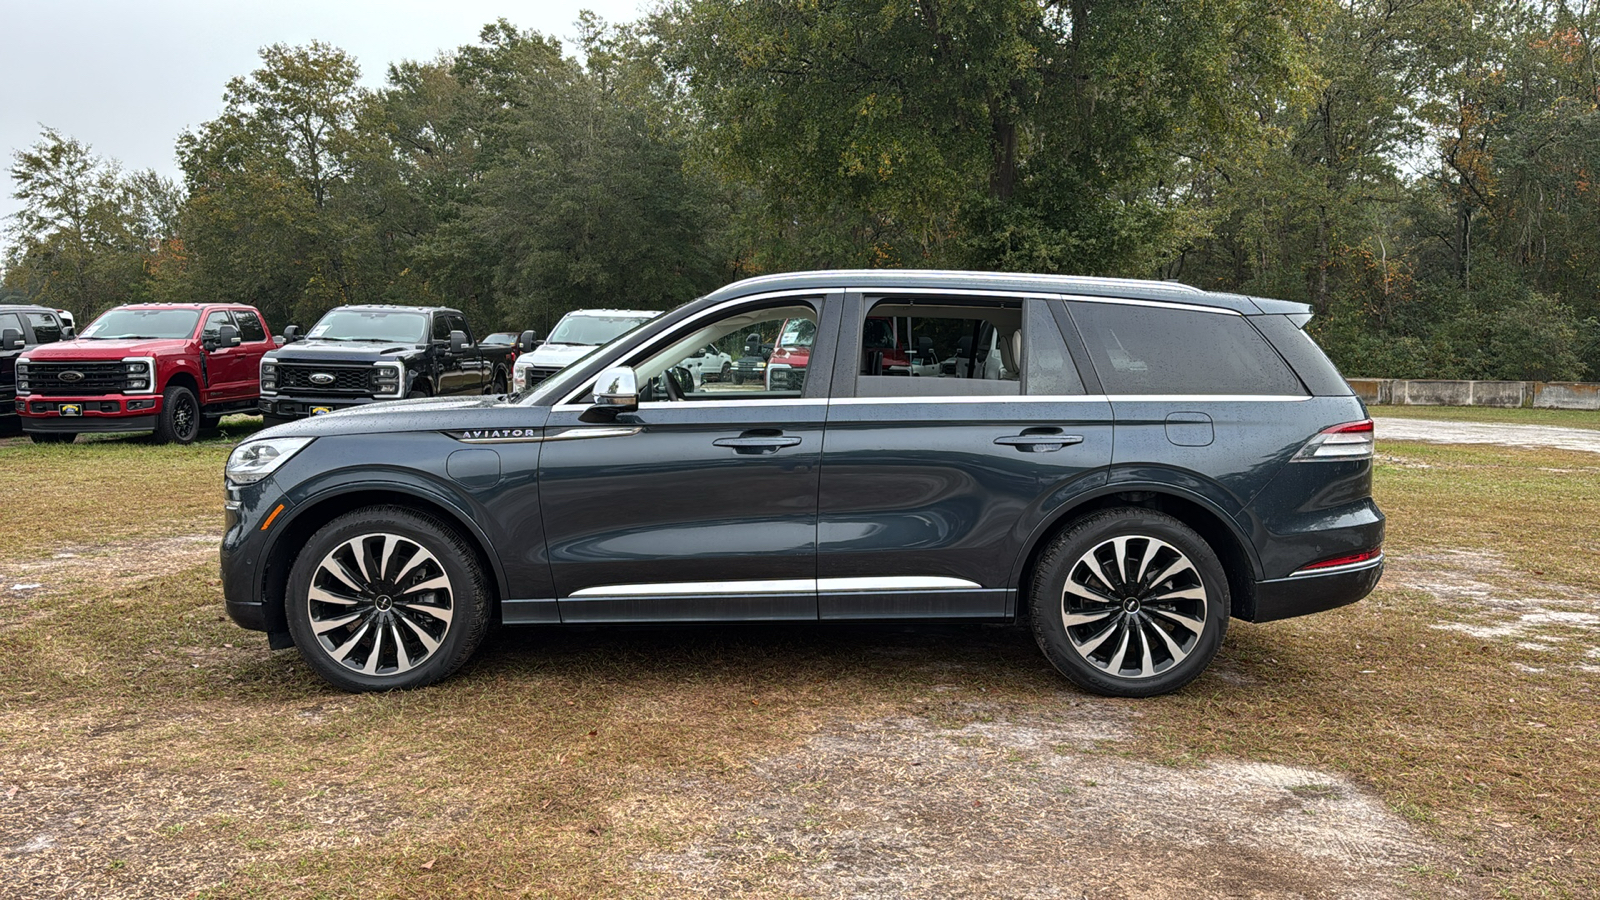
(76, 567)
(1028, 808)
(1496, 603)
(83, 823)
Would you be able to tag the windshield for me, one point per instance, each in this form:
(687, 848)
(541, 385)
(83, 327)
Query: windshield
(592, 330)
(123, 324)
(370, 325)
(798, 333)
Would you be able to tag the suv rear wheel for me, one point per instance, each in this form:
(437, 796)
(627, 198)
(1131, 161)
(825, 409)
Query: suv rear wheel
(386, 598)
(179, 421)
(1129, 603)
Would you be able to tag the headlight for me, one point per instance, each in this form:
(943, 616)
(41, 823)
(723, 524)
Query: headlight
(140, 372)
(386, 378)
(269, 376)
(250, 462)
(22, 376)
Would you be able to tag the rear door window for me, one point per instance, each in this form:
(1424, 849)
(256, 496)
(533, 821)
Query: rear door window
(250, 329)
(1139, 349)
(931, 347)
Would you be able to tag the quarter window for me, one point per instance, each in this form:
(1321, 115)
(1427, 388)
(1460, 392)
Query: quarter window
(1157, 350)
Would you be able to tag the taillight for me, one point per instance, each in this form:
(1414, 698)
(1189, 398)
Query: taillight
(1352, 440)
(1340, 562)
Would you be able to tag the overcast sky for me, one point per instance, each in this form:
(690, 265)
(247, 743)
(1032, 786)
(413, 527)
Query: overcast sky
(128, 77)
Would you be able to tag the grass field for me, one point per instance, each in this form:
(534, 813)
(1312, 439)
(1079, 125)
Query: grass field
(154, 749)
(1563, 418)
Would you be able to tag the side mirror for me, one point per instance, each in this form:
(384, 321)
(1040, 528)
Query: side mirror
(615, 391)
(11, 339)
(925, 348)
(291, 334)
(528, 340)
(228, 336)
(68, 332)
(458, 341)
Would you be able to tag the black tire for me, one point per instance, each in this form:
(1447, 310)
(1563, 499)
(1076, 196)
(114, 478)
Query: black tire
(376, 632)
(1154, 630)
(418, 392)
(727, 372)
(498, 385)
(53, 437)
(179, 421)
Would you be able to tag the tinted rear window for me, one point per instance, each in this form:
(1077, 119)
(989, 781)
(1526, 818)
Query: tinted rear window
(1157, 350)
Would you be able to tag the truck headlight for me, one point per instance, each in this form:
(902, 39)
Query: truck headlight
(386, 379)
(254, 460)
(22, 377)
(269, 377)
(140, 373)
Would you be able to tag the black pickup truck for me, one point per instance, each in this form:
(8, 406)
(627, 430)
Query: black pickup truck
(22, 326)
(362, 354)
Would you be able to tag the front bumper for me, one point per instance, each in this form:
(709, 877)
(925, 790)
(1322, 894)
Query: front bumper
(299, 406)
(1314, 592)
(249, 513)
(109, 413)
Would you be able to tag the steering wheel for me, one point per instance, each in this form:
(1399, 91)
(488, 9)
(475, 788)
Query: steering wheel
(675, 380)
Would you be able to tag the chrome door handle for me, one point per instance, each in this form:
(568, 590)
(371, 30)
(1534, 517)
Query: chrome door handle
(758, 442)
(1039, 440)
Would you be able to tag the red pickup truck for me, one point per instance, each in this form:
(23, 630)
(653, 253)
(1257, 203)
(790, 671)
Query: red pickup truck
(167, 368)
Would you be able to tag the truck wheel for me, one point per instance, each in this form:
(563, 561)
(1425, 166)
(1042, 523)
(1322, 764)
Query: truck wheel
(52, 437)
(498, 386)
(179, 422)
(1129, 603)
(727, 373)
(420, 391)
(385, 598)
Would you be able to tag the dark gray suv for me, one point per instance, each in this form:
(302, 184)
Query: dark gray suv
(1122, 465)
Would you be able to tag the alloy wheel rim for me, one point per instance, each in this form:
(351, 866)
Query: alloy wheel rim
(183, 416)
(1134, 607)
(380, 604)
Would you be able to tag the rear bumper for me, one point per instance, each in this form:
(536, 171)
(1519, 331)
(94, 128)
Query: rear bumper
(1302, 595)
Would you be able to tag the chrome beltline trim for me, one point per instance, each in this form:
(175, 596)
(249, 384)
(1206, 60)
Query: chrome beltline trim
(785, 586)
(1009, 398)
(1208, 398)
(1165, 304)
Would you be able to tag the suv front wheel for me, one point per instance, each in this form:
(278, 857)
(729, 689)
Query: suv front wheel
(1129, 603)
(386, 598)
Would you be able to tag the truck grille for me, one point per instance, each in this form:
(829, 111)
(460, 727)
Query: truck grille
(537, 374)
(44, 378)
(295, 378)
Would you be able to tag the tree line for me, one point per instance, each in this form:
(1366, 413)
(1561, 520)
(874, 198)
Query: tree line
(1419, 171)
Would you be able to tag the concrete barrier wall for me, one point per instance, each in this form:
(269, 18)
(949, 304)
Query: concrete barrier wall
(1436, 392)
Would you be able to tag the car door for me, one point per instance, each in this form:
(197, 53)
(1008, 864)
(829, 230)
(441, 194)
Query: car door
(254, 342)
(700, 506)
(931, 484)
(227, 367)
(8, 361)
(450, 364)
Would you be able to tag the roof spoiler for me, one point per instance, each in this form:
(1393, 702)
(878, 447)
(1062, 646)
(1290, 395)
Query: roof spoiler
(1298, 313)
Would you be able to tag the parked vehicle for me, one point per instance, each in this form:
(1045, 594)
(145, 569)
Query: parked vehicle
(22, 326)
(707, 365)
(751, 366)
(170, 369)
(1124, 512)
(354, 355)
(577, 335)
(509, 340)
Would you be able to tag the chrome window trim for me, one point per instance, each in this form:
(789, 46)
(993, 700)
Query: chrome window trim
(1164, 304)
(879, 584)
(881, 294)
(1209, 398)
(662, 338)
(996, 399)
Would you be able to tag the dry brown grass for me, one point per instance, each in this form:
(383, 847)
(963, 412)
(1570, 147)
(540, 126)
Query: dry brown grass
(157, 750)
